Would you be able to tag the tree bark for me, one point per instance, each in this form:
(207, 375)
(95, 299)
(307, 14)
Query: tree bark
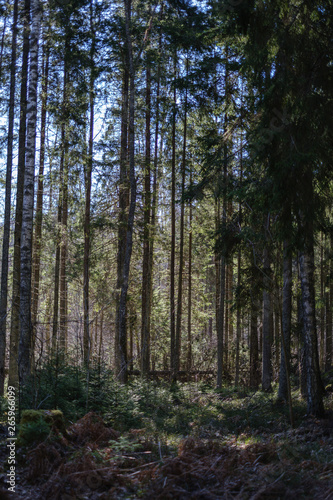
(87, 216)
(254, 351)
(267, 324)
(28, 200)
(15, 317)
(40, 192)
(329, 307)
(306, 262)
(6, 230)
(146, 275)
(122, 336)
(181, 243)
(173, 350)
(286, 319)
(189, 307)
(2, 44)
(123, 201)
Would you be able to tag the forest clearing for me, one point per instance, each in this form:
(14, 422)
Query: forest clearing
(166, 294)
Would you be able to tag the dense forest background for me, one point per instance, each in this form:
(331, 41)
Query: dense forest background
(166, 170)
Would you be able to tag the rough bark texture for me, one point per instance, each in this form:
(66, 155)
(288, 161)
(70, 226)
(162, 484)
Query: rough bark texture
(286, 319)
(189, 307)
(181, 243)
(88, 176)
(254, 351)
(173, 347)
(329, 307)
(146, 270)
(6, 230)
(121, 322)
(238, 320)
(123, 201)
(60, 232)
(28, 200)
(220, 324)
(40, 191)
(313, 379)
(267, 325)
(15, 317)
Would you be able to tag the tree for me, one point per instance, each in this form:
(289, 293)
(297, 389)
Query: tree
(28, 200)
(15, 316)
(6, 234)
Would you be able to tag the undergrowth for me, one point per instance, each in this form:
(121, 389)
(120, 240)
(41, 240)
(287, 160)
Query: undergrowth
(146, 437)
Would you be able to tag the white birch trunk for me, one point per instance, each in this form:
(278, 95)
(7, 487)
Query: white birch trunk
(28, 199)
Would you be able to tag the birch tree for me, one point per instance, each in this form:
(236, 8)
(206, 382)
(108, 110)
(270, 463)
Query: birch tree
(28, 199)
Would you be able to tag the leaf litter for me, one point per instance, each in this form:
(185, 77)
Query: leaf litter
(95, 462)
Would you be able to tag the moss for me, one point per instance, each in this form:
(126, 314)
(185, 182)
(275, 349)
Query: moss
(35, 425)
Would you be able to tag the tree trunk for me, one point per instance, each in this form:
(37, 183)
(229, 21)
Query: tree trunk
(40, 191)
(220, 325)
(88, 175)
(306, 261)
(28, 200)
(329, 307)
(254, 351)
(6, 230)
(181, 244)
(15, 317)
(286, 319)
(238, 319)
(267, 324)
(189, 307)
(146, 275)
(173, 351)
(60, 260)
(122, 337)
(222, 282)
(123, 202)
(155, 193)
(3, 44)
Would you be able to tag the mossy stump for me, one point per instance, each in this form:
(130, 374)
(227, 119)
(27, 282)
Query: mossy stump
(36, 425)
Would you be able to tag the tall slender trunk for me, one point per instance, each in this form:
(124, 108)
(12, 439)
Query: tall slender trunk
(59, 289)
(254, 351)
(323, 274)
(123, 201)
(173, 239)
(286, 319)
(28, 200)
(146, 276)
(229, 329)
(63, 255)
(222, 290)
(6, 230)
(238, 320)
(329, 307)
(189, 306)
(15, 317)
(181, 244)
(3, 43)
(88, 176)
(40, 192)
(155, 190)
(220, 325)
(306, 261)
(313, 379)
(267, 322)
(122, 336)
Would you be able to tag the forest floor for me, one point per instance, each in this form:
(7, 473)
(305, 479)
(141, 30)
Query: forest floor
(193, 444)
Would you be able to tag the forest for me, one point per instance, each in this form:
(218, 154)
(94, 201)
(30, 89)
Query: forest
(166, 295)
